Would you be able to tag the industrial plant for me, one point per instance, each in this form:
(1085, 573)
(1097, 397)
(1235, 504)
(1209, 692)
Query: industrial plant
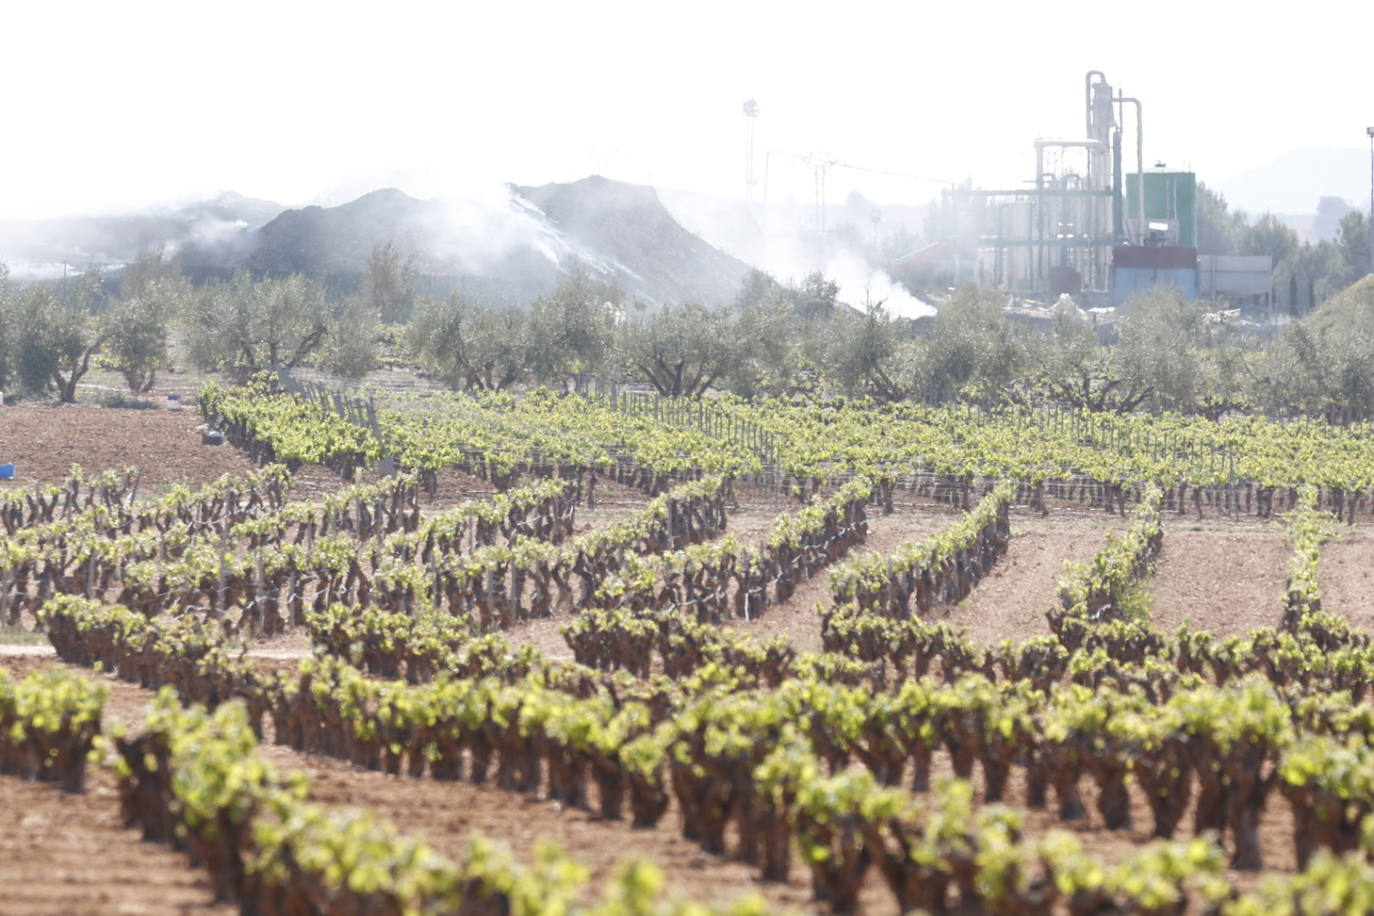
(1094, 222)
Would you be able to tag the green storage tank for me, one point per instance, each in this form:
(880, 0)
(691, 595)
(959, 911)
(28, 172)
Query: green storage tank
(1170, 197)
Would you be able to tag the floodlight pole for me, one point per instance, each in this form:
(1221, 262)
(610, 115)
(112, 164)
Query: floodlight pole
(1370, 224)
(751, 116)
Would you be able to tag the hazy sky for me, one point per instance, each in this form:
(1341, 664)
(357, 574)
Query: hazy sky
(119, 103)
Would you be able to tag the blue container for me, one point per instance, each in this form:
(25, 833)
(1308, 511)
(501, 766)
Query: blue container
(6, 472)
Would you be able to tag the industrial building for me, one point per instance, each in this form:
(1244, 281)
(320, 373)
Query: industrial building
(1090, 226)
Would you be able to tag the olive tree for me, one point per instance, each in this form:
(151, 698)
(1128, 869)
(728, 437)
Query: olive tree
(776, 352)
(58, 335)
(571, 330)
(1158, 353)
(681, 350)
(974, 353)
(1073, 368)
(350, 343)
(245, 325)
(388, 284)
(468, 345)
(871, 354)
(137, 327)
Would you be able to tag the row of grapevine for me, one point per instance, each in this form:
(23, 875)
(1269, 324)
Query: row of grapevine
(81, 550)
(1236, 466)
(668, 607)
(939, 570)
(1241, 466)
(1103, 588)
(1207, 726)
(48, 725)
(41, 504)
(277, 428)
(195, 779)
(727, 579)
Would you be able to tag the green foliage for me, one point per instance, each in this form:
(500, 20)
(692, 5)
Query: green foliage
(350, 344)
(776, 353)
(245, 325)
(1352, 241)
(1219, 231)
(58, 335)
(572, 328)
(870, 355)
(48, 724)
(1158, 353)
(138, 323)
(1270, 236)
(681, 350)
(470, 346)
(974, 354)
(388, 285)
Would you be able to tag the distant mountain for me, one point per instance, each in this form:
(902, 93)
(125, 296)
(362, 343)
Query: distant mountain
(514, 245)
(38, 248)
(506, 244)
(1295, 181)
(231, 207)
(632, 236)
(325, 240)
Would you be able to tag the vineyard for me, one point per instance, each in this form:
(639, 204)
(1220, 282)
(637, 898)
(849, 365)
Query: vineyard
(545, 654)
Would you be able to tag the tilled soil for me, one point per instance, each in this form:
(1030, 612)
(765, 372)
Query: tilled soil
(64, 853)
(1227, 579)
(43, 442)
(544, 635)
(1346, 575)
(614, 503)
(1011, 601)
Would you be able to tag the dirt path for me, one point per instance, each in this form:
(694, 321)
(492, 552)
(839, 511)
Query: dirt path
(1011, 601)
(1224, 578)
(797, 621)
(1346, 576)
(64, 854)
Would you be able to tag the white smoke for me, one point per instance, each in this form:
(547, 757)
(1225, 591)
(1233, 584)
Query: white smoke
(859, 281)
(207, 233)
(29, 271)
(783, 243)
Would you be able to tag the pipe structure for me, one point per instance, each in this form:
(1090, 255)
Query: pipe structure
(1118, 228)
(1037, 266)
(1082, 225)
(1139, 167)
(1086, 144)
(1088, 99)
